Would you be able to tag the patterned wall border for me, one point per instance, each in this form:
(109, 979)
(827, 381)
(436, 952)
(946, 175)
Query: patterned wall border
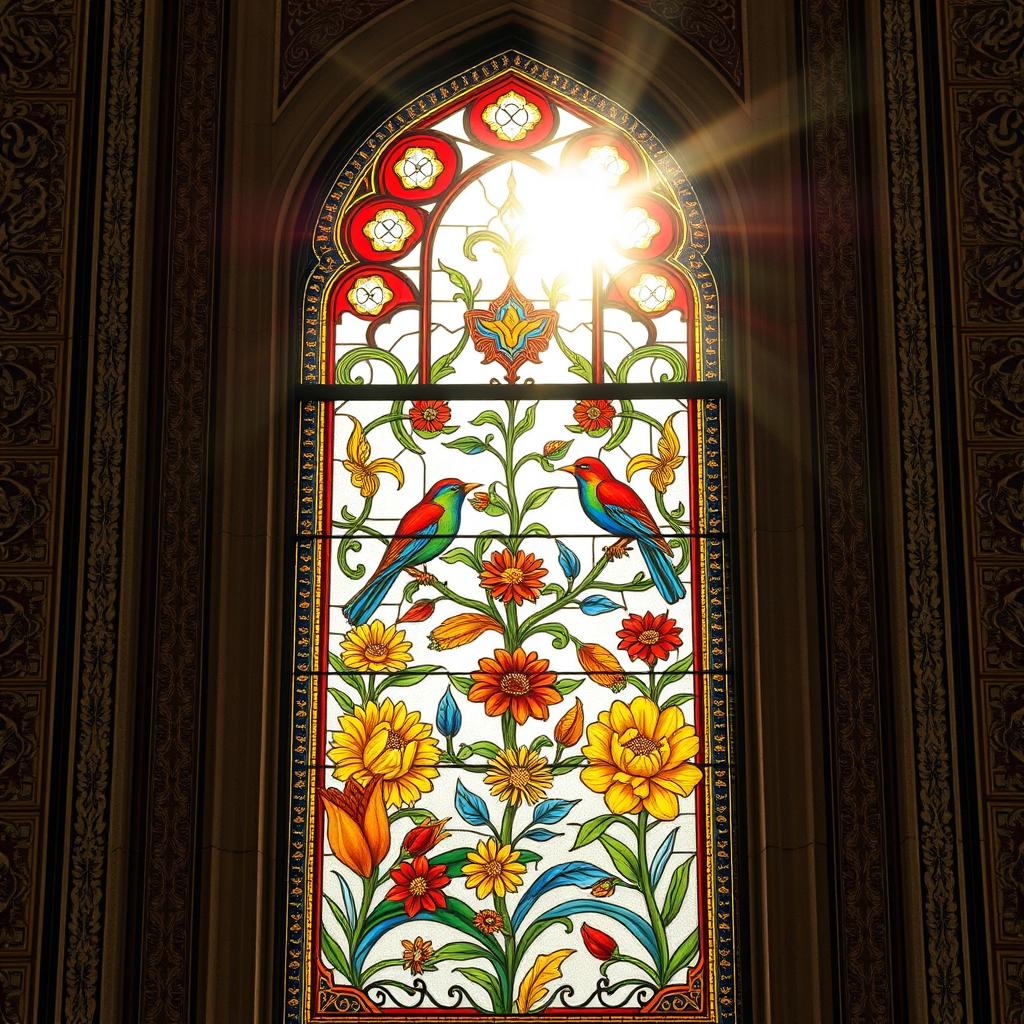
(863, 932)
(307, 31)
(926, 600)
(99, 606)
(168, 758)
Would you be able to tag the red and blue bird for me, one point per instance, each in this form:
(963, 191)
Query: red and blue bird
(425, 532)
(617, 509)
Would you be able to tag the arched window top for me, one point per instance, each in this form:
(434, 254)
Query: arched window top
(512, 225)
(511, 737)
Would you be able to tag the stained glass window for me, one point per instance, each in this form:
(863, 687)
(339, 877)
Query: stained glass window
(511, 738)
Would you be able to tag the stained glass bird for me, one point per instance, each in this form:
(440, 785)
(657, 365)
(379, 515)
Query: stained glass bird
(618, 509)
(424, 532)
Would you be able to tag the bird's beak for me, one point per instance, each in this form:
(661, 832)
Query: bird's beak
(568, 469)
(466, 488)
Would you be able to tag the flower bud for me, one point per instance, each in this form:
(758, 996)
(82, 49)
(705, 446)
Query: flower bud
(602, 666)
(570, 726)
(599, 944)
(480, 501)
(556, 449)
(449, 717)
(603, 889)
(419, 611)
(423, 838)
(461, 629)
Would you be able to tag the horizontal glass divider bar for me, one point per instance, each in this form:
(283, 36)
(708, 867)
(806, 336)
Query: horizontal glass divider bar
(384, 536)
(698, 389)
(314, 766)
(643, 673)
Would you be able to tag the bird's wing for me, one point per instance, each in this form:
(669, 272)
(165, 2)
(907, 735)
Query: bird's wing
(414, 532)
(624, 507)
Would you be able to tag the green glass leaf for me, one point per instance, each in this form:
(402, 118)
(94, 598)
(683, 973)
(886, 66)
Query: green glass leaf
(592, 830)
(684, 955)
(676, 891)
(622, 858)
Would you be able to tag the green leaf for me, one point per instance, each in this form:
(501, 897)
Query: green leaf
(342, 698)
(592, 830)
(684, 954)
(622, 858)
(623, 429)
(461, 683)
(460, 951)
(540, 743)
(568, 764)
(566, 686)
(483, 748)
(412, 675)
(442, 366)
(488, 982)
(339, 916)
(676, 671)
(398, 428)
(463, 555)
(488, 418)
(577, 363)
(461, 284)
(678, 700)
(537, 498)
(335, 957)
(676, 891)
(527, 423)
(468, 445)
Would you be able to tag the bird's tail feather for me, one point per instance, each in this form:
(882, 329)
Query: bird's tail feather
(367, 601)
(660, 567)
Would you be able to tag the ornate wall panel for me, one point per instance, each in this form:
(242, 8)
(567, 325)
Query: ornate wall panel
(309, 29)
(40, 104)
(980, 71)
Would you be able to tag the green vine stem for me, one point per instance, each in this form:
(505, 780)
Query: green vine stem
(653, 911)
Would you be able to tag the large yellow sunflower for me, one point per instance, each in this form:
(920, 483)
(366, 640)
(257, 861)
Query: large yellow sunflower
(493, 868)
(518, 775)
(638, 757)
(387, 741)
(374, 647)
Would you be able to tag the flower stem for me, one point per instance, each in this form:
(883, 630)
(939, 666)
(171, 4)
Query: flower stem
(369, 888)
(653, 912)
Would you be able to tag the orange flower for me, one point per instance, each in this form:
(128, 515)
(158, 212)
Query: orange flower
(416, 953)
(570, 726)
(649, 637)
(602, 666)
(358, 831)
(593, 414)
(461, 629)
(429, 416)
(513, 577)
(516, 682)
(488, 922)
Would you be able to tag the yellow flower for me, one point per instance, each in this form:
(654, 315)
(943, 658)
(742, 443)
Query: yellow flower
(638, 758)
(663, 466)
(518, 775)
(389, 741)
(493, 868)
(461, 629)
(374, 647)
(365, 474)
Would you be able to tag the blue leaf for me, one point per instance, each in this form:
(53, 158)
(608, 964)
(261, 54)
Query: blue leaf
(547, 812)
(636, 924)
(472, 809)
(661, 857)
(449, 717)
(597, 605)
(568, 561)
(541, 835)
(573, 872)
(346, 895)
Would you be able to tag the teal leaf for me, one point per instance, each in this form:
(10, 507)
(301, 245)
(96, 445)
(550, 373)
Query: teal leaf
(573, 872)
(471, 808)
(661, 857)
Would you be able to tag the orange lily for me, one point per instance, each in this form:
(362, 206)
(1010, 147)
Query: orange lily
(358, 831)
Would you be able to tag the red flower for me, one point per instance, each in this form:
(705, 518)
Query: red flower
(428, 416)
(599, 944)
(593, 414)
(423, 838)
(513, 577)
(518, 682)
(488, 922)
(418, 884)
(649, 638)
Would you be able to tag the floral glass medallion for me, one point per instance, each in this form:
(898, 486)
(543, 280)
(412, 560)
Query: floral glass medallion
(511, 741)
